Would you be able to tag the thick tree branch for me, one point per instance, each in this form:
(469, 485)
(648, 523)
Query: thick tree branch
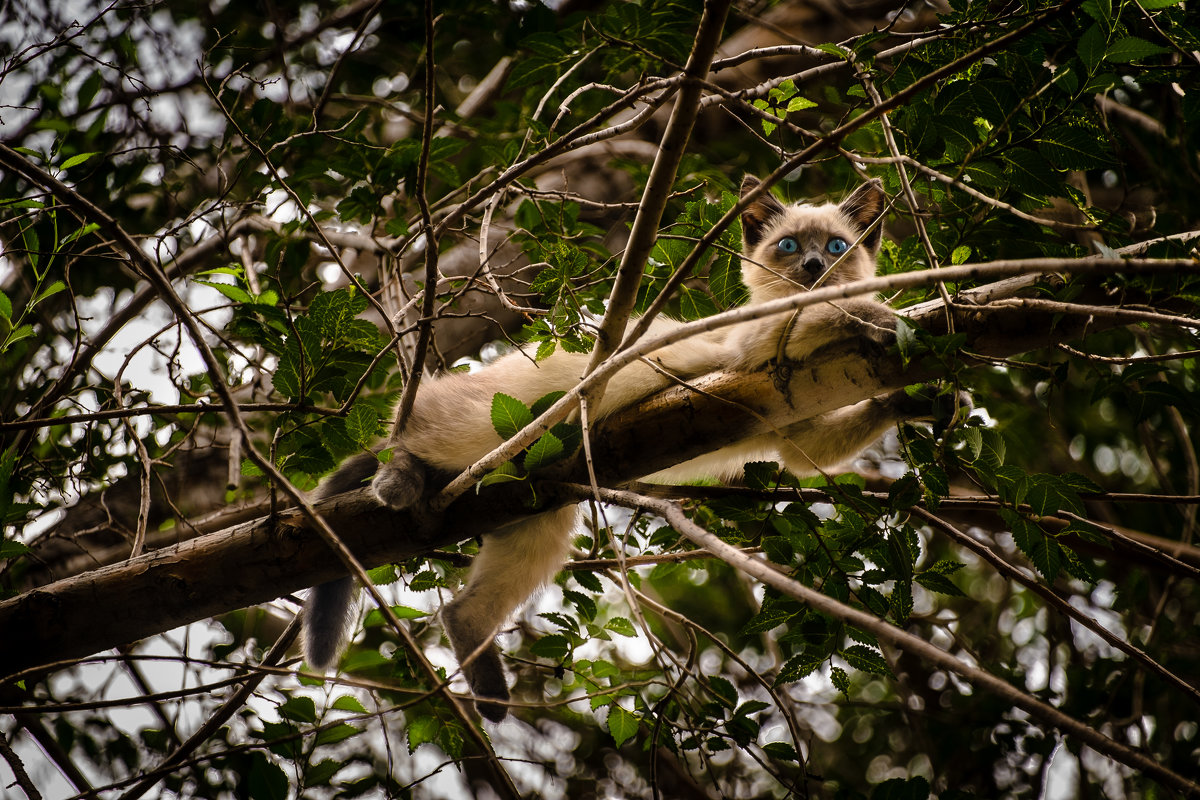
(266, 558)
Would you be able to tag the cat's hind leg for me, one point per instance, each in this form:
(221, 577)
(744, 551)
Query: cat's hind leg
(510, 567)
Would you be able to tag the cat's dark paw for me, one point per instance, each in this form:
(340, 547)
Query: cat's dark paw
(479, 658)
(400, 483)
(486, 677)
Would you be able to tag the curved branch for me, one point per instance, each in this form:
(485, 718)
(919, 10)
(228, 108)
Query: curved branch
(770, 575)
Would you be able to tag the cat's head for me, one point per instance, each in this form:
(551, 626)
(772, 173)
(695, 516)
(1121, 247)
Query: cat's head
(786, 248)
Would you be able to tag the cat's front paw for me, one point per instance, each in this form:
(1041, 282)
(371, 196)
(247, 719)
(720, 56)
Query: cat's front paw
(400, 483)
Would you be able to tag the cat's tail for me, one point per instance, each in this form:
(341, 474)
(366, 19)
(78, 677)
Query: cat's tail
(327, 615)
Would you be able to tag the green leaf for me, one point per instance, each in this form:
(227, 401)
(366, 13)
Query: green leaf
(622, 626)
(384, 575)
(1132, 48)
(865, 659)
(543, 403)
(781, 751)
(337, 733)
(349, 702)
(77, 159)
(1091, 47)
(1044, 551)
(546, 450)
(79, 233)
(840, 680)
(800, 666)
(1031, 173)
(621, 724)
(299, 709)
(724, 691)
(362, 423)
(17, 334)
(319, 774)
(422, 730)
(1072, 147)
(266, 781)
(11, 549)
(509, 415)
(554, 646)
(235, 293)
(936, 582)
(5, 306)
(505, 473)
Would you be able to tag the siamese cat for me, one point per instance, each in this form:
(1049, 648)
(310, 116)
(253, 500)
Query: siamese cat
(786, 249)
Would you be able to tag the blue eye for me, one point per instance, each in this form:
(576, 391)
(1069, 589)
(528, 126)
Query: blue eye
(787, 245)
(837, 245)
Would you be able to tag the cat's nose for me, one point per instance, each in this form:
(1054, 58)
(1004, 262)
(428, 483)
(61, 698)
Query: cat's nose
(814, 266)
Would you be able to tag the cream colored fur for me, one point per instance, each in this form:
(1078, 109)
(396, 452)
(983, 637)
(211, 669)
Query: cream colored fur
(450, 427)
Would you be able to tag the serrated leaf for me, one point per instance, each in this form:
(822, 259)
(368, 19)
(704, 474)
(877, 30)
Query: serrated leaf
(1133, 48)
(422, 730)
(509, 415)
(362, 423)
(5, 306)
(300, 709)
(622, 626)
(546, 450)
(936, 582)
(337, 733)
(554, 646)
(266, 781)
(840, 680)
(1031, 173)
(1091, 47)
(781, 751)
(622, 724)
(586, 605)
(865, 659)
(543, 403)
(1070, 147)
(375, 619)
(384, 575)
(799, 666)
(349, 703)
(724, 691)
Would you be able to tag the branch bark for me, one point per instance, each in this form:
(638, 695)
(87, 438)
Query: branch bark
(266, 558)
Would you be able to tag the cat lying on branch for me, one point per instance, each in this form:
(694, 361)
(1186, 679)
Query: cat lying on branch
(787, 249)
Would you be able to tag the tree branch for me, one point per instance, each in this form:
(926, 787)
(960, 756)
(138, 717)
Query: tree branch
(770, 575)
(266, 558)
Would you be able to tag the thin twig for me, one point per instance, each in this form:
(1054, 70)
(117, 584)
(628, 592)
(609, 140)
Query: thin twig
(896, 637)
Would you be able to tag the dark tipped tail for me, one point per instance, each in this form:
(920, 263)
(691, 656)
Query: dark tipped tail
(327, 622)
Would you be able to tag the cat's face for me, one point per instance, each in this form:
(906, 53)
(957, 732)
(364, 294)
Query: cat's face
(787, 248)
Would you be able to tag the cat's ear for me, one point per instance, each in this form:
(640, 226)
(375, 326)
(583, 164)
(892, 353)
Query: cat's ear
(863, 207)
(758, 214)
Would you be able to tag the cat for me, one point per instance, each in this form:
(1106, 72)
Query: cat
(786, 248)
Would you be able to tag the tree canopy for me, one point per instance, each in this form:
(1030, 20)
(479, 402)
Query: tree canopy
(236, 237)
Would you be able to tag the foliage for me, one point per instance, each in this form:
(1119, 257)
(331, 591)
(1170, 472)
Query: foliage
(269, 164)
